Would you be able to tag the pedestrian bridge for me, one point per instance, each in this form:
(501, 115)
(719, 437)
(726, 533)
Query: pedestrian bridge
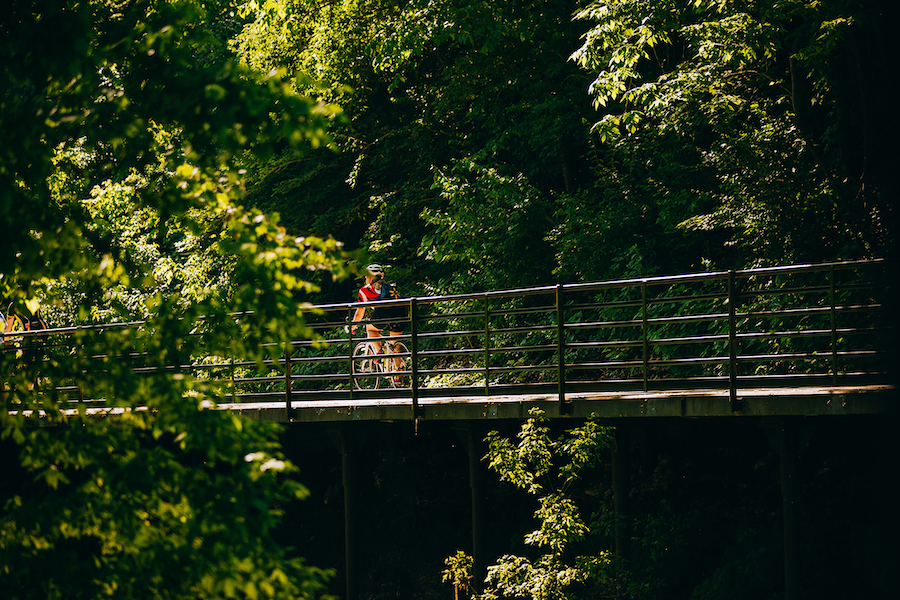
(783, 341)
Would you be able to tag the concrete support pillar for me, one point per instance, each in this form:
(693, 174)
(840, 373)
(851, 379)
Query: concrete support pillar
(472, 442)
(789, 457)
(621, 472)
(789, 437)
(476, 482)
(349, 446)
(649, 449)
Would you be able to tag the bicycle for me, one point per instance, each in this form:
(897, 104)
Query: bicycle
(372, 369)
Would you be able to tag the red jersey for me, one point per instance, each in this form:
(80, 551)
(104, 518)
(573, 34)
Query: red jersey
(368, 294)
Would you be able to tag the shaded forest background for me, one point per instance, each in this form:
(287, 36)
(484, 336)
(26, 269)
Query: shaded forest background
(495, 145)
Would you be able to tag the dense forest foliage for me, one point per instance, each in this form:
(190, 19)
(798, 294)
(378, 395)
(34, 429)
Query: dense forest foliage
(123, 128)
(491, 145)
(172, 160)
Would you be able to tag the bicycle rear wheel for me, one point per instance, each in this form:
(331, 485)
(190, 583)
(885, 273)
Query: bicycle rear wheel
(399, 365)
(366, 367)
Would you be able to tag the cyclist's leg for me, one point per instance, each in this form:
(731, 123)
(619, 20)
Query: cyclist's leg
(398, 362)
(373, 332)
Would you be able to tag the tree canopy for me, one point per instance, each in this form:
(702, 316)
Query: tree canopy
(126, 128)
(501, 144)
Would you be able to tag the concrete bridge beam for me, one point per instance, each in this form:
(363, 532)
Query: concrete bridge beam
(349, 444)
(621, 475)
(789, 437)
(471, 437)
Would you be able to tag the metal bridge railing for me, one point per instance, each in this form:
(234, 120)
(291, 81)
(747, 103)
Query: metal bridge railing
(788, 326)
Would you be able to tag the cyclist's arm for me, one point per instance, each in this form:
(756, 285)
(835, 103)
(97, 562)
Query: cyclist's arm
(361, 311)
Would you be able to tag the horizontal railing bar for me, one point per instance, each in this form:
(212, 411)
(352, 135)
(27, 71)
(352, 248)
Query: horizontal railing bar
(531, 348)
(225, 365)
(453, 371)
(701, 318)
(437, 335)
(780, 291)
(602, 325)
(652, 361)
(824, 355)
(71, 329)
(521, 311)
(807, 268)
(674, 362)
(451, 316)
(801, 334)
(606, 364)
(318, 377)
(451, 352)
(688, 340)
(527, 329)
(749, 336)
(259, 379)
(605, 344)
(522, 369)
(662, 280)
(616, 304)
(637, 303)
(810, 310)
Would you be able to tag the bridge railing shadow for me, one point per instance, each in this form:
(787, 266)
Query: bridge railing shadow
(774, 327)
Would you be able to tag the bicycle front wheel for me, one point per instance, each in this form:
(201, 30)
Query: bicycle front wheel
(366, 368)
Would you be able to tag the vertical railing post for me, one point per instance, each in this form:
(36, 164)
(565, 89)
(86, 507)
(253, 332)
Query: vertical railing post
(233, 383)
(645, 344)
(564, 407)
(350, 353)
(414, 351)
(732, 345)
(487, 348)
(287, 379)
(834, 369)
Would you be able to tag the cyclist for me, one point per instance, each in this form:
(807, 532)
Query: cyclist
(371, 291)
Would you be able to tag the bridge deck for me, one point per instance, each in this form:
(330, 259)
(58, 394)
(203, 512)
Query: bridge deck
(761, 402)
(801, 401)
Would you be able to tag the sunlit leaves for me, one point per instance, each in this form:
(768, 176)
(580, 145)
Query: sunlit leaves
(627, 34)
(459, 571)
(436, 87)
(654, 57)
(560, 524)
(490, 225)
(125, 135)
(547, 468)
(750, 89)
